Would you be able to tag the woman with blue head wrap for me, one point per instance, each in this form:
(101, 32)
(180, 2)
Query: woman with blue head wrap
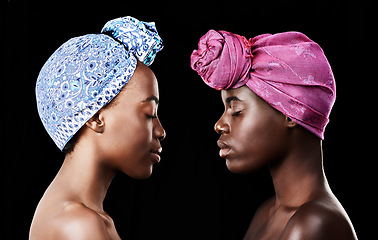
(97, 99)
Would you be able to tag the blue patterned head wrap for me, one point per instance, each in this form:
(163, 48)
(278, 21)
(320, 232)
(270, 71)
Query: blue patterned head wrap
(87, 72)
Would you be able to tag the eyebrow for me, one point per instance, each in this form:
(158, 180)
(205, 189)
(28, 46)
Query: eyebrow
(232, 98)
(152, 98)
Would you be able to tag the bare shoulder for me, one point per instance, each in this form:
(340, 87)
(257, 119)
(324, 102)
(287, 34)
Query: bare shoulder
(263, 211)
(319, 220)
(76, 221)
(260, 218)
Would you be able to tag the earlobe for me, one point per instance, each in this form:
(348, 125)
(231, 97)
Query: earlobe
(96, 123)
(289, 122)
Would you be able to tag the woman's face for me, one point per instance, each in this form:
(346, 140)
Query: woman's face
(252, 132)
(132, 133)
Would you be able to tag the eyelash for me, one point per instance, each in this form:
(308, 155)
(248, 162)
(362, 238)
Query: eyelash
(151, 116)
(237, 113)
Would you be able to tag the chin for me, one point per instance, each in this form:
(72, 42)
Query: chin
(141, 173)
(240, 167)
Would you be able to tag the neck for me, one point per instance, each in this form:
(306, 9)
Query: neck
(299, 176)
(85, 177)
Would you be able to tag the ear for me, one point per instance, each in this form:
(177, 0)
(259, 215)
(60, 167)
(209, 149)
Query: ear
(96, 123)
(289, 122)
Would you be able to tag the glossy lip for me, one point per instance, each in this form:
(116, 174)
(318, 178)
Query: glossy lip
(224, 149)
(155, 154)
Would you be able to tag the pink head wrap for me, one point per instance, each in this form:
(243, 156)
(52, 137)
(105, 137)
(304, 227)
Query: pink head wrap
(288, 70)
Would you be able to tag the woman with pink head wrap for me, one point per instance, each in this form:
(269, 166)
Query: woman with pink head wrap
(278, 91)
(288, 70)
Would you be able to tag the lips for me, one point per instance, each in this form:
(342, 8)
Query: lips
(224, 148)
(155, 154)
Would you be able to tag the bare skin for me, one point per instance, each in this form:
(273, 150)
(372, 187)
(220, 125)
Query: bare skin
(254, 135)
(72, 206)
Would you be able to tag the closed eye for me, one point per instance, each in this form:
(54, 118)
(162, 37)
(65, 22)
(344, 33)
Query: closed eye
(151, 116)
(237, 113)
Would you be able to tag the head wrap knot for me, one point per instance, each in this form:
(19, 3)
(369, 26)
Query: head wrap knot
(288, 70)
(139, 37)
(87, 72)
(222, 59)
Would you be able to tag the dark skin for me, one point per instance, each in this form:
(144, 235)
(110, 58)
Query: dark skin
(254, 135)
(72, 206)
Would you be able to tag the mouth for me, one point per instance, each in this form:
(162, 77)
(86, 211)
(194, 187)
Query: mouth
(224, 149)
(155, 154)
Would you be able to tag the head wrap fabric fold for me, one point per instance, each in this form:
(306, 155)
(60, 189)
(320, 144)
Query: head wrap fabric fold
(288, 70)
(87, 72)
(139, 37)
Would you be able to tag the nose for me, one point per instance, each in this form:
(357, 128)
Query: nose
(159, 132)
(222, 126)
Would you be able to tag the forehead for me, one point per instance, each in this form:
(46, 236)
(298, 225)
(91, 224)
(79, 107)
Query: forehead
(242, 93)
(143, 83)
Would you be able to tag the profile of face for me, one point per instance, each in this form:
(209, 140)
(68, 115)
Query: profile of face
(252, 133)
(128, 133)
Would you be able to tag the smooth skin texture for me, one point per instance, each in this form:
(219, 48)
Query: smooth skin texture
(254, 135)
(123, 136)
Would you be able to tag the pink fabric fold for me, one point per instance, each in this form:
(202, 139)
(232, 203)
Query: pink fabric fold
(288, 70)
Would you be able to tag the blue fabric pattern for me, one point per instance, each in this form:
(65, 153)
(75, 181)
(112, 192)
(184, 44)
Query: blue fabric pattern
(87, 72)
(145, 41)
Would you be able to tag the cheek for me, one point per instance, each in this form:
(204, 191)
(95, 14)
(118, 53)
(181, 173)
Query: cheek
(128, 142)
(133, 138)
(257, 141)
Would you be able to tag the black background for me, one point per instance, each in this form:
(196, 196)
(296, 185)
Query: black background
(191, 194)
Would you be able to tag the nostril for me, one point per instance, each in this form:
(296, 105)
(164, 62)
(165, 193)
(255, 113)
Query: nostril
(221, 126)
(216, 128)
(162, 136)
